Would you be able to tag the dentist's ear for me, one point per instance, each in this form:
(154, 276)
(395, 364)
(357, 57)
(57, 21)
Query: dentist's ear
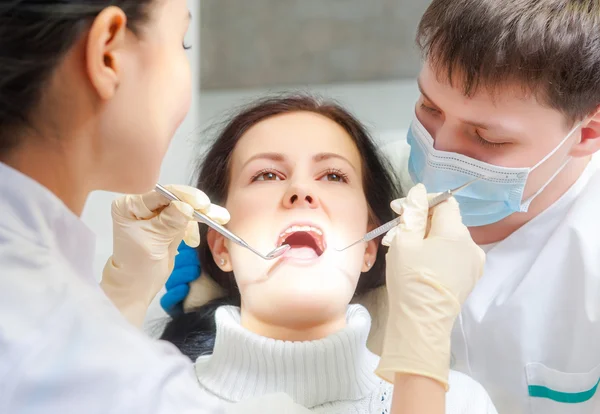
(590, 137)
(218, 248)
(105, 49)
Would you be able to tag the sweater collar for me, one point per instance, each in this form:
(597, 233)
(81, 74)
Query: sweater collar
(245, 365)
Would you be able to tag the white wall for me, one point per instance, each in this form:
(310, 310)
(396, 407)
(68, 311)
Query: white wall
(385, 107)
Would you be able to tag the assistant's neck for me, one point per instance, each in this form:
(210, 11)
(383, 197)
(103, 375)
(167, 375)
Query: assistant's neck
(299, 331)
(56, 167)
(499, 231)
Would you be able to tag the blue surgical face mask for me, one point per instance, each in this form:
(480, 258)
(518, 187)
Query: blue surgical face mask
(499, 192)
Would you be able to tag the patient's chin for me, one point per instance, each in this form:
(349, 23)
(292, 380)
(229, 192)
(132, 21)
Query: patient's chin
(299, 305)
(301, 321)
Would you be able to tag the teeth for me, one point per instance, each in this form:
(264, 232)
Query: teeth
(294, 229)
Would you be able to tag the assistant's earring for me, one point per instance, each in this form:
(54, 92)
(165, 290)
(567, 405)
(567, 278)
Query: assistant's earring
(222, 262)
(369, 264)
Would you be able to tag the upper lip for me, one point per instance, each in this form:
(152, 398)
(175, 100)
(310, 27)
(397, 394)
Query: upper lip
(313, 229)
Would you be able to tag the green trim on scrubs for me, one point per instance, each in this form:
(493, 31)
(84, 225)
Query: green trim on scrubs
(539, 391)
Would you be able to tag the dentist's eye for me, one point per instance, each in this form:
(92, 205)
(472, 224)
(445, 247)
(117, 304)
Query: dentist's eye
(429, 109)
(488, 144)
(335, 175)
(267, 175)
(186, 47)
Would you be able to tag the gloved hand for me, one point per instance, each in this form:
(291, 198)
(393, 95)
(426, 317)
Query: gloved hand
(187, 269)
(146, 232)
(430, 273)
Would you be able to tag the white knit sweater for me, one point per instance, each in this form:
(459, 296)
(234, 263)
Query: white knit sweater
(331, 375)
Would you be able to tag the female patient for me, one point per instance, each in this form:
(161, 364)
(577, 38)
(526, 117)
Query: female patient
(297, 171)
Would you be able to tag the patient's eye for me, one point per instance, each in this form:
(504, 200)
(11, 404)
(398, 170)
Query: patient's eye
(267, 175)
(335, 175)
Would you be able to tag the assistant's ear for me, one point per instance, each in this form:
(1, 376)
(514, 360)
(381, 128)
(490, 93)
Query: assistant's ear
(370, 255)
(104, 47)
(590, 137)
(218, 248)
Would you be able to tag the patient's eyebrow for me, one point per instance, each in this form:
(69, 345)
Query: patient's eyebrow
(273, 156)
(328, 155)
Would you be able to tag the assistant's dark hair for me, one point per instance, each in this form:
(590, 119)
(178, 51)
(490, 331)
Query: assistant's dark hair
(549, 48)
(34, 37)
(193, 333)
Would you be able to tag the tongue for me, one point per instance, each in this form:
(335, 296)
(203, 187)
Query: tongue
(302, 246)
(302, 252)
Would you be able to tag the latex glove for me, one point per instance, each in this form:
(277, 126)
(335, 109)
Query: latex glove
(146, 232)
(429, 275)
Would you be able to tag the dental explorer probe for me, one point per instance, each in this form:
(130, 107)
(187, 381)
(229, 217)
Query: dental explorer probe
(439, 199)
(275, 253)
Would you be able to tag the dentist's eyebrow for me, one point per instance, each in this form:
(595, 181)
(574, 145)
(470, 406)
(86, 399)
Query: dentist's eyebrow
(473, 123)
(329, 155)
(272, 156)
(420, 86)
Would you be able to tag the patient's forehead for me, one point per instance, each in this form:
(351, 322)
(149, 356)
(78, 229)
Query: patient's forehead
(296, 135)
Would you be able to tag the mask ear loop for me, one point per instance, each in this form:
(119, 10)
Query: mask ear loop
(525, 204)
(565, 139)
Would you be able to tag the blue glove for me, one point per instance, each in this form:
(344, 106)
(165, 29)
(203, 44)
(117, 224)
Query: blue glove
(185, 271)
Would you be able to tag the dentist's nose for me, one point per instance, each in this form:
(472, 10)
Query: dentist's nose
(444, 138)
(452, 138)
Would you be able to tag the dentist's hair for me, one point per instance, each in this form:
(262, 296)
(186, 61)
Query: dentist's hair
(548, 48)
(194, 332)
(34, 38)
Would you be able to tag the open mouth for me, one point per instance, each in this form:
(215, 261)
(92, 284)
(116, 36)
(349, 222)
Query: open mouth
(305, 241)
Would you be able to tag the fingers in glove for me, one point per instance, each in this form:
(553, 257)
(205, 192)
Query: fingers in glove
(200, 202)
(154, 201)
(191, 195)
(218, 214)
(177, 221)
(414, 215)
(131, 207)
(174, 219)
(398, 204)
(413, 222)
(192, 235)
(389, 237)
(446, 221)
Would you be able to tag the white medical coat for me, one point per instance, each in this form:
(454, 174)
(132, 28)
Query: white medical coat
(530, 331)
(63, 347)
